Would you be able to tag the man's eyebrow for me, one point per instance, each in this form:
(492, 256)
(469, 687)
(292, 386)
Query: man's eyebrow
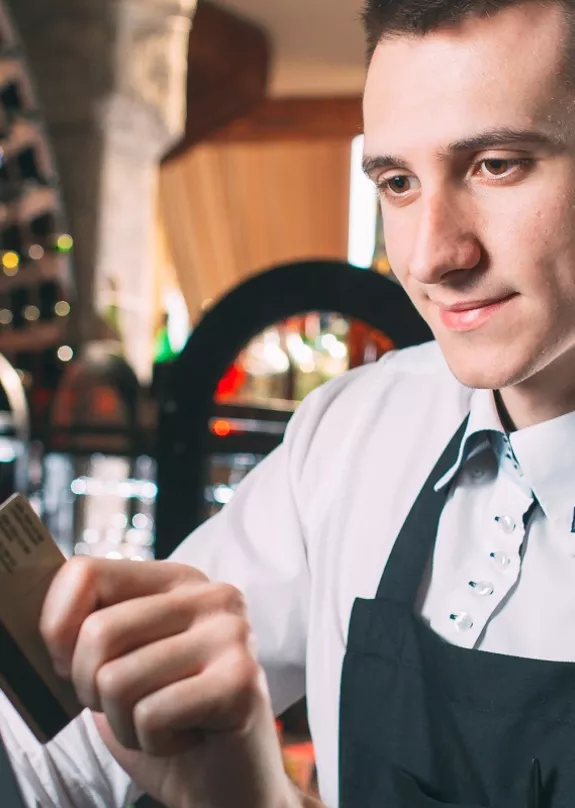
(371, 164)
(507, 137)
(483, 141)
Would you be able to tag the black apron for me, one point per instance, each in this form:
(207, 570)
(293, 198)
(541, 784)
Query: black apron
(424, 723)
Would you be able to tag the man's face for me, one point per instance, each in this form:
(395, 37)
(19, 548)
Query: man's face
(469, 135)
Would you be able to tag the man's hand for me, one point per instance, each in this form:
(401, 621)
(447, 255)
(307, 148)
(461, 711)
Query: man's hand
(168, 660)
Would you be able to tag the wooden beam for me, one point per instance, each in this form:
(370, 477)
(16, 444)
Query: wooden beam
(228, 68)
(296, 119)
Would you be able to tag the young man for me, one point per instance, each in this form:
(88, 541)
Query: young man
(416, 528)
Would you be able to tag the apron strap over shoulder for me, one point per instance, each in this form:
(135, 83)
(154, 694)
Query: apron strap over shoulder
(404, 570)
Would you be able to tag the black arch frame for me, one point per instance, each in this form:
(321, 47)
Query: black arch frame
(253, 306)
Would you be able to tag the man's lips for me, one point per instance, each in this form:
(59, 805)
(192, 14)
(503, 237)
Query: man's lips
(470, 314)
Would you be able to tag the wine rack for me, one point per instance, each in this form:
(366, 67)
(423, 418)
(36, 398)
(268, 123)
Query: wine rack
(35, 247)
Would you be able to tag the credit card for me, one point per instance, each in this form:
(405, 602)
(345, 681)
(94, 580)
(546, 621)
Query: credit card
(29, 560)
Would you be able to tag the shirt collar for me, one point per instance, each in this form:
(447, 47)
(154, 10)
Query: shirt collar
(546, 455)
(483, 424)
(541, 458)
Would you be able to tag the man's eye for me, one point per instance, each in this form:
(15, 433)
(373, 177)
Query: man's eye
(497, 168)
(399, 184)
(500, 167)
(396, 186)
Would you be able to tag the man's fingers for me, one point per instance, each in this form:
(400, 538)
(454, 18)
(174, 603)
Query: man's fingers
(223, 698)
(164, 653)
(121, 685)
(130, 758)
(85, 585)
(115, 632)
(112, 633)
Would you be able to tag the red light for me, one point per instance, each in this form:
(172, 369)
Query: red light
(221, 428)
(231, 382)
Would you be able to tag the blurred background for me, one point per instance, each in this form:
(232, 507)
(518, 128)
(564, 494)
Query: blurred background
(188, 247)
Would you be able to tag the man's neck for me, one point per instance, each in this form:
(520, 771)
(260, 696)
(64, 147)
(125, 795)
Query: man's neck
(547, 395)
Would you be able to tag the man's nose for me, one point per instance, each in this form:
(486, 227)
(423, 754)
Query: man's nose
(445, 241)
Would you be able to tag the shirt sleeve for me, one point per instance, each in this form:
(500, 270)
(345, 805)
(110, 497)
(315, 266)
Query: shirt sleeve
(256, 543)
(74, 770)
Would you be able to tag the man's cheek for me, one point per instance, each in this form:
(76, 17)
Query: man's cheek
(399, 264)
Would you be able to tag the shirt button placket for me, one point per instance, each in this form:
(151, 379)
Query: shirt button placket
(508, 525)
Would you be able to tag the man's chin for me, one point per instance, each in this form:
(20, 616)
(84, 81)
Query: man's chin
(484, 370)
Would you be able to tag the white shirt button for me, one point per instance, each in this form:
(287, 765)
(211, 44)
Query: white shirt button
(463, 621)
(501, 559)
(506, 523)
(482, 588)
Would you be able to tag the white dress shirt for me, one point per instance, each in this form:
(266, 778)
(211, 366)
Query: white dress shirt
(312, 527)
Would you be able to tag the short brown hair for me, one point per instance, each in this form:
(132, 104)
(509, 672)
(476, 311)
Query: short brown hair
(383, 18)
